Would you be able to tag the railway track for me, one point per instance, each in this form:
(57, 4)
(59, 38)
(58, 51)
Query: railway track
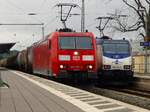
(137, 97)
(134, 91)
(139, 92)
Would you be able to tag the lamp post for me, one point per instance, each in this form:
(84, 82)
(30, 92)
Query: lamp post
(42, 24)
(43, 33)
(146, 53)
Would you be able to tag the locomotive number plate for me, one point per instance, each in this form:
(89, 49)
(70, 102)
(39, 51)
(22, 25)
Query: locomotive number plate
(116, 67)
(76, 57)
(75, 68)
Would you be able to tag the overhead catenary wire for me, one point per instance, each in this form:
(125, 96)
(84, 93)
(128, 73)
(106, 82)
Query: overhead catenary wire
(42, 5)
(20, 9)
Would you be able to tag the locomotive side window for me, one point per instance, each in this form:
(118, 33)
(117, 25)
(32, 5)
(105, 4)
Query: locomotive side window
(49, 45)
(75, 43)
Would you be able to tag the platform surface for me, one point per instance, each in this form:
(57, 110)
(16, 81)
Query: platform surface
(24, 96)
(144, 76)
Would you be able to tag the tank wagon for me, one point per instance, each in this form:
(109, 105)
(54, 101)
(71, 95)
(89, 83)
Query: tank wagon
(24, 60)
(114, 60)
(29, 59)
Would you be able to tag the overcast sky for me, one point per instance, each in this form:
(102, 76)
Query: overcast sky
(16, 11)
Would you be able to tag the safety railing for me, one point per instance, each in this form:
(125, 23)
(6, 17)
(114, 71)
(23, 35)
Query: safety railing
(140, 68)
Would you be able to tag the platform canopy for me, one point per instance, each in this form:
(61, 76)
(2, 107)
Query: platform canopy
(5, 47)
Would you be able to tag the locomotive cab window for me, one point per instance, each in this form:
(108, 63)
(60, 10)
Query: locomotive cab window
(66, 43)
(84, 43)
(116, 47)
(75, 43)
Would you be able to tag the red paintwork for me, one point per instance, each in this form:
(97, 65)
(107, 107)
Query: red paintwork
(46, 59)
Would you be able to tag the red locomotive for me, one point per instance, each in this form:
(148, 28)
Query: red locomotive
(65, 54)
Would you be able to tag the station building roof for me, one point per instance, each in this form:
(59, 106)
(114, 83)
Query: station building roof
(5, 47)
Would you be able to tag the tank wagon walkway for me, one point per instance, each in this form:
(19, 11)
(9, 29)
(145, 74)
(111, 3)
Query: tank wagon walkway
(28, 93)
(24, 96)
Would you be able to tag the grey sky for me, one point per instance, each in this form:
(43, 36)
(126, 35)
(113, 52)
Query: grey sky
(16, 11)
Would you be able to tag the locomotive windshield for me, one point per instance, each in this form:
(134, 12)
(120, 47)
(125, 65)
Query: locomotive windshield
(116, 48)
(75, 43)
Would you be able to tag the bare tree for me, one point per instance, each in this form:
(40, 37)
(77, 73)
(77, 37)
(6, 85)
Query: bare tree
(142, 10)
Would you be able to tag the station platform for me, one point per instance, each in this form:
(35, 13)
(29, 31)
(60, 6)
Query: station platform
(142, 75)
(28, 93)
(25, 96)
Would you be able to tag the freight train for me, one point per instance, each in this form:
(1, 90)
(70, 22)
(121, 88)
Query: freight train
(114, 60)
(62, 54)
(67, 54)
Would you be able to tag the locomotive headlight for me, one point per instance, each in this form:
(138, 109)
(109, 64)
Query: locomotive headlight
(76, 53)
(90, 67)
(107, 67)
(64, 57)
(61, 66)
(87, 57)
(127, 67)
